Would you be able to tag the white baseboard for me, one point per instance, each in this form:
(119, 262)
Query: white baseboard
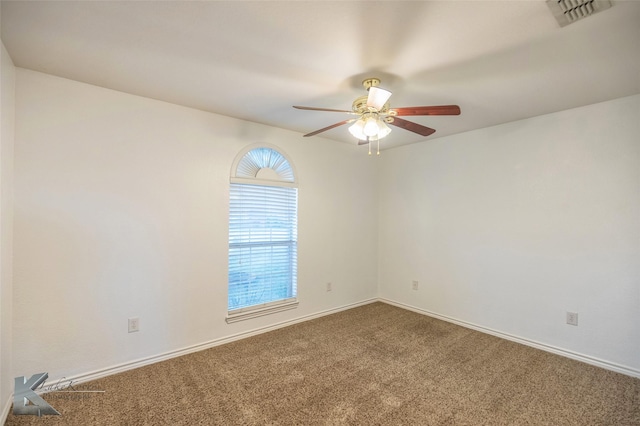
(5, 410)
(543, 346)
(97, 374)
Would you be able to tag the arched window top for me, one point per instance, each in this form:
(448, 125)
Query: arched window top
(263, 163)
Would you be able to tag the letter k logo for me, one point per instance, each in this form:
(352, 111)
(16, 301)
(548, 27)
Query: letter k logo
(24, 392)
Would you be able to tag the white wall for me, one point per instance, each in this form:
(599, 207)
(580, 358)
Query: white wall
(121, 207)
(121, 211)
(509, 227)
(7, 92)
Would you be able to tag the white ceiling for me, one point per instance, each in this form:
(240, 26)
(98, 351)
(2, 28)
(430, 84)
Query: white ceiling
(499, 60)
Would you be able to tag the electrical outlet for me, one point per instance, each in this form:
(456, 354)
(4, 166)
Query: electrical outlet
(572, 318)
(329, 287)
(134, 325)
(414, 285)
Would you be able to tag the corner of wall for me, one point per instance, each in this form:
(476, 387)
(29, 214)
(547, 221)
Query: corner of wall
(7, 118)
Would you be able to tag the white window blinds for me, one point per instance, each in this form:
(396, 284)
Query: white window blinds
(262, 245)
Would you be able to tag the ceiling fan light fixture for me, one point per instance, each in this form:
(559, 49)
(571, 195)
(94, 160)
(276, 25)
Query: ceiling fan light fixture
(377, 98)
(357, 130)
(371, 127)
(383, 129)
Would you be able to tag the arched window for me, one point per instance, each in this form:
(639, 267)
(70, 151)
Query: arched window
(263, 234)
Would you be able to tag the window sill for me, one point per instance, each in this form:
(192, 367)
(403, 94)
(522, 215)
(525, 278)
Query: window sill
(255, 312)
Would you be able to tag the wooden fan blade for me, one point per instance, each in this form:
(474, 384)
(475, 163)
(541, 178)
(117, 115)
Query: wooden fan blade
(327, 128)
(412, 127)
(429, 110)
(322, 109)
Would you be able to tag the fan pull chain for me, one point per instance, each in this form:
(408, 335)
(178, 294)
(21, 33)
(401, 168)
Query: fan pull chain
(378, 147)
(369, 143)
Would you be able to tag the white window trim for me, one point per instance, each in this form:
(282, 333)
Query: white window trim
(261, 310)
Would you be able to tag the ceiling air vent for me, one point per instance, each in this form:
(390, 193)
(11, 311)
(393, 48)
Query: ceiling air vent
(568, 11)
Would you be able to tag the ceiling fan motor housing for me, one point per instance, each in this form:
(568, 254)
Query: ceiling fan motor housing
(360, 107)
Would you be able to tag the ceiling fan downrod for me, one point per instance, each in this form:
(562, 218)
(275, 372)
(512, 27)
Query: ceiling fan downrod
(370, 82)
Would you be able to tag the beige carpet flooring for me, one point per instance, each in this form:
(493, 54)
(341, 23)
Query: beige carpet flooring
(372, 365)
